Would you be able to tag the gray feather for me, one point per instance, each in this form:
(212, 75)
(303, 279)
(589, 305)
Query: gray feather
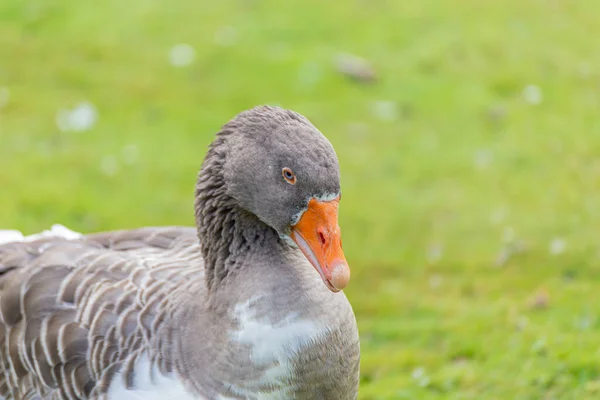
(76, 311)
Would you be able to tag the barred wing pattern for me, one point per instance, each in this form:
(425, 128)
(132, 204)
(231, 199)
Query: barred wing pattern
(73, 313)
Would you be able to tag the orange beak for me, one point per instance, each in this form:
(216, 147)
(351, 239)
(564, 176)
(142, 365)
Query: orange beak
(318, 235)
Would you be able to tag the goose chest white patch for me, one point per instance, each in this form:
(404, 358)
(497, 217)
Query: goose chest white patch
(273, 345)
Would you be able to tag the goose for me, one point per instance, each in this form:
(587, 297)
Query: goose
(249, 304)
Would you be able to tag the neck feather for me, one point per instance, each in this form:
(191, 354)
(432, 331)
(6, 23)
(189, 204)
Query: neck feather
(228, 234)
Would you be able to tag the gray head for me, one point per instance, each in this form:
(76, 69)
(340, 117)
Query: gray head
(280, 168)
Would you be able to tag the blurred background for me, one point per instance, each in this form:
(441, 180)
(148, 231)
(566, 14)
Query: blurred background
(468, 135)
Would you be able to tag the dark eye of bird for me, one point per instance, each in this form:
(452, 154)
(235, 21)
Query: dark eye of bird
(289, 176)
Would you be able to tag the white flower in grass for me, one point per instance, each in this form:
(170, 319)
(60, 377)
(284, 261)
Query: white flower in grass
(557, 246)
(79, 119)
(182, 55)
(421, 377)
(532, 94)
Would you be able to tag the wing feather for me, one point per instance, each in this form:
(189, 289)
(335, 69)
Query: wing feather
(75, 311)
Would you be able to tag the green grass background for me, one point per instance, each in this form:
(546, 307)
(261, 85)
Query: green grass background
(461, 169)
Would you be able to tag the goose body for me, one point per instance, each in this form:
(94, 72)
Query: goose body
(239, 307)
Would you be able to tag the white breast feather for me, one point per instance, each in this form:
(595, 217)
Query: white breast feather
(273, 345)
(149, 384)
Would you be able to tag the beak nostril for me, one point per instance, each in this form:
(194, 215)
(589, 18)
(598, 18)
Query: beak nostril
(322, 238)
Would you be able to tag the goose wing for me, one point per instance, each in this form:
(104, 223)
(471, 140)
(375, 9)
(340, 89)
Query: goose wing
(74, 311)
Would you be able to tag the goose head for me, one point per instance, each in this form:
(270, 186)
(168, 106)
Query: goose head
(280, 168)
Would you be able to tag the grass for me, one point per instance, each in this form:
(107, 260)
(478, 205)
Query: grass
(449, 160)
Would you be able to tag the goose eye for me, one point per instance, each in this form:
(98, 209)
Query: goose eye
(289, 176)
